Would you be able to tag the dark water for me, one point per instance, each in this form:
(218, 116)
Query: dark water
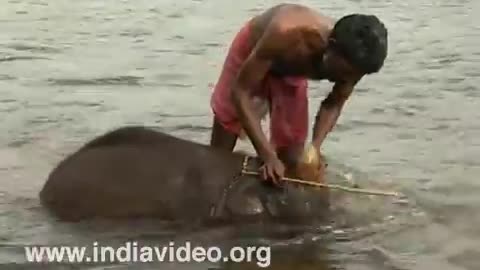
(70, 70)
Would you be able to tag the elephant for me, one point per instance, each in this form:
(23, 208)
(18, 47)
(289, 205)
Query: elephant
(139, 172)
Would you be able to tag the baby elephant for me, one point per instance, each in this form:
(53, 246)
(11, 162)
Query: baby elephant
(136, 172)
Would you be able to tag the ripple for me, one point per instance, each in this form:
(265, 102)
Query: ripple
(455, 80)
(19, 142)
(5, 77)
(155, 10)
(177, 85)
(163, 50)
(83, 33)
(362, 90)
(176, 37)
(412, 95)
(76, 103)
(200, 51)
(362, 123)
(406, 51)
(472, 73)
(109, 18)
(468, 88)
(196, 128)
(173, 79)
(7, 110)
(120, 80)
(86, 17)
(175, 15)
(342, 127)
(39, 3)
(212, 44)
(100, 35)
(135, 33)
(168, 115)
(42, 120)
(17, 58)
(34, 48)
(8, 100)
(403, 18)
(404, 111)
(452, 119)
(448, 58)
(452, 5)
(471, 93)
(377, 110)
(406, 136)
(439, 127)
(98, 106)
(418, 107)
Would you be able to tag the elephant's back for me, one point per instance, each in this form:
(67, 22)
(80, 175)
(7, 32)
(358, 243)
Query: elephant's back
(108, 181)
(126, 173)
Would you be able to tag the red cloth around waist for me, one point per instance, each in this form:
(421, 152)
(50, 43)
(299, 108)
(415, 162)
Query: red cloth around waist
(286, 96)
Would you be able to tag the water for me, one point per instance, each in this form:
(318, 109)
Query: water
(70, 70)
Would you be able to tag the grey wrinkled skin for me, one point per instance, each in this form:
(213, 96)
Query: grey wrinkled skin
(137, 172)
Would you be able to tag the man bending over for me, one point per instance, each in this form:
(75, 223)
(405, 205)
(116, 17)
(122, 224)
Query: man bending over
(271, 60)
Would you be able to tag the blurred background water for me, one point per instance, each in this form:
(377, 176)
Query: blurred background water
(70, 70)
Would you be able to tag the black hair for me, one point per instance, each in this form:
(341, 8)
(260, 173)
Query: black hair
(362, 40)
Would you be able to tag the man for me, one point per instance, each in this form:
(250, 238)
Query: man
(271, 59)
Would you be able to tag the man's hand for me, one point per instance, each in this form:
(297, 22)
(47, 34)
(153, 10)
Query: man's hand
(252, 72)
(273, 169)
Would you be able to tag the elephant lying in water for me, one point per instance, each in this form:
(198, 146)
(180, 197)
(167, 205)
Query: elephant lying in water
(135, 172)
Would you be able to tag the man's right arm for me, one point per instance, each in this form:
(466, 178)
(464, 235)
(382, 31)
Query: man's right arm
(252, 73)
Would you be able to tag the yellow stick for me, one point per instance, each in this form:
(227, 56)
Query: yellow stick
(347, 189)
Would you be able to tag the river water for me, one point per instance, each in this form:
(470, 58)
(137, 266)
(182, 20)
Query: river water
(70, 70)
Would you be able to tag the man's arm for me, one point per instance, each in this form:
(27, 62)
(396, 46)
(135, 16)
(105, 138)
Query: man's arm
(252, 73)
(329, 111)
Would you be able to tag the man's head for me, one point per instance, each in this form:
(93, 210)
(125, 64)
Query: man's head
(357, 46)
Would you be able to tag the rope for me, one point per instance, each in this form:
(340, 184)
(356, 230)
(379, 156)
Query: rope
(338, 187)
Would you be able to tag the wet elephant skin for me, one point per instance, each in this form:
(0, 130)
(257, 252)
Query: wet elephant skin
(135, 172)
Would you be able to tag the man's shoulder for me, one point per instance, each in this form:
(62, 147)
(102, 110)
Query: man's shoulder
(288, 26)
(292, 17)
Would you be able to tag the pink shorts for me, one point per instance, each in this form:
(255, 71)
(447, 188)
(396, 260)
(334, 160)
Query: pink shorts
(287, 98)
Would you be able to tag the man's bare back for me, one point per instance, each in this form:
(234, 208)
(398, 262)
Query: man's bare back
(290, 16)
(302, 32)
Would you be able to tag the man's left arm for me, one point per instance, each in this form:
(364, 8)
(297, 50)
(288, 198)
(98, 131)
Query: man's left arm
(330, 109)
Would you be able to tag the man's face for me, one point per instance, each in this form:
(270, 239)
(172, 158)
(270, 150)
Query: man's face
(338, 69)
